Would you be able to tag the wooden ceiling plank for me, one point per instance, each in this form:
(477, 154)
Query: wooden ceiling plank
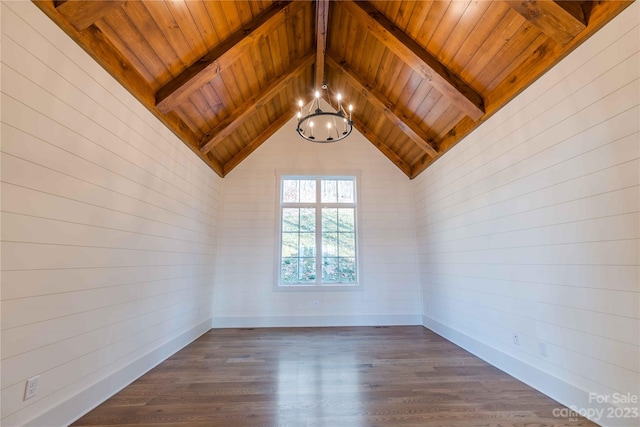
(405, 13)
(389, 153)
(284, 52)
(121, 24)
(245, 76)
(491, 21)
(418, 18)
(448, 22)
(449, 84)
(98, 46)
(437, 12)
(143, 22)
(560, 20)
(546, 56)
(371, 62)
(390, 9)
(81, 14)
(226, 127)
(256, 7)
(385, 71)
(322, 20)
(380, 101)
(187, 25)
(211, 96)
(243, 134)
(518, 58)
(300, 35)
(257, 142)
(267, 66)
(219, 20)
(123, 50)
(202, 23)
(472, 18)
(223, 55)
(401, 82)
(169, 27)
(354, 32)
(185, 112)
(421, 97)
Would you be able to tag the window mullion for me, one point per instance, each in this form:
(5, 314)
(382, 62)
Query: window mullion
(298, 205)
(318, 233)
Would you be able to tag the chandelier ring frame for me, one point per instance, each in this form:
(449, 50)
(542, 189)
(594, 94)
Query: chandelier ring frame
(319, 113)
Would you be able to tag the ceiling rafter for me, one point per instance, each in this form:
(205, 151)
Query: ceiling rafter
(322, 20)
(257, 142)
(81, 14)
(415, 56)
(222, 56)
(225, 128)
(379, 100)
(560, 20)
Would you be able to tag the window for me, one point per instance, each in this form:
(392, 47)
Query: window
(318, 231)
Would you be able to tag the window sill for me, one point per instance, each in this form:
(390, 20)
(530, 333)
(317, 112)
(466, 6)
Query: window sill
(320, 288)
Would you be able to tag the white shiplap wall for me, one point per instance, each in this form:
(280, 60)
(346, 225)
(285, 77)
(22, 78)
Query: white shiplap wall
(108, 229)
(530, 226)
(244, 293)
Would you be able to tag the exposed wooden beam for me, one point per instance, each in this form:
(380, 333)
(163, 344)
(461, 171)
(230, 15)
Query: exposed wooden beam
(222, 56)
(98, 46)
(414, 55)
(384, 148)
(560, 20)
(253, 145)
(216, 135)
(379, 100)
(81, 14)
(322, 19)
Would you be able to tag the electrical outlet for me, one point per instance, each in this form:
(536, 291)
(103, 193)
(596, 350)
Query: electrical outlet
(543, 349)
(32, 387)
(316, 304)
(516, 339)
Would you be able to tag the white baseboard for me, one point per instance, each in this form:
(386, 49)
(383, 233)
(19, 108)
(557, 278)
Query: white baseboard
(568, 395)
(315, 321)
(86, 400)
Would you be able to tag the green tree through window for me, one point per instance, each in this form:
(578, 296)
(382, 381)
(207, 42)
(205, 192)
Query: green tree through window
(318, 231)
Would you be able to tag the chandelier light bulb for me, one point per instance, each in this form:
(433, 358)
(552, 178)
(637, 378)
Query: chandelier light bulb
(317, 94)
(311, 125)
(300, 103)
(299, 115)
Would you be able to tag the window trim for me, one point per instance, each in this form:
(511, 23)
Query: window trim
(318, 175)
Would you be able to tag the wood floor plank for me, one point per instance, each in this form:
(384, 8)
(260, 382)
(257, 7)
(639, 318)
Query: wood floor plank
(350, 376)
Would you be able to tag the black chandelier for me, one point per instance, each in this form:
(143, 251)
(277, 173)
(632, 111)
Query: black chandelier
(324, 126)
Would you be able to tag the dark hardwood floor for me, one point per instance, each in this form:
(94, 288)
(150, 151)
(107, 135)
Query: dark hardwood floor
(334, 377)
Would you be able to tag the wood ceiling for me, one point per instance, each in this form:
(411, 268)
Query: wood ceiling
(225, 75)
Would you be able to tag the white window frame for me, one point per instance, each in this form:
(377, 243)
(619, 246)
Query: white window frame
(318, 205)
